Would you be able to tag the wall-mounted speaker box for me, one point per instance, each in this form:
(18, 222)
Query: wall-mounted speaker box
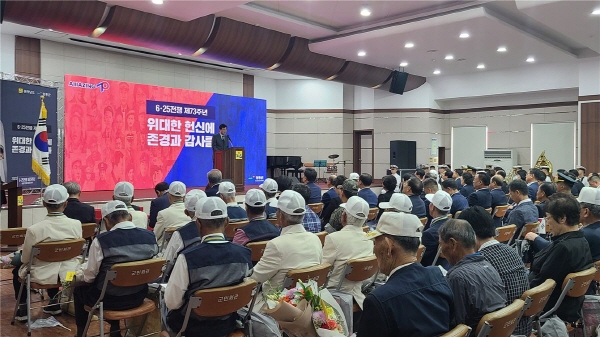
(403, 153)
(398, 82)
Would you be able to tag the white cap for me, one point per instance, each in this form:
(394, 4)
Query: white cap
(399, 202)
(589, 195)
(398, 224)
(55, 194)
(113, 206)
(357, 207)
(191, 198)
(291, 202)
(433, 173)
(255, 198)
(123, 189)
(393, 166)
(269, 185)
(441, 200)
(226, 187)
(177, 188)
(354, 176)
(211, 208)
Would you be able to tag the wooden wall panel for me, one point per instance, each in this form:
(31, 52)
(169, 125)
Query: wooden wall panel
(248, 85)
(27, 57)
(590, 136)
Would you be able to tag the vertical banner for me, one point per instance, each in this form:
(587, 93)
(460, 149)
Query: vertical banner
(122, 131)
(19, 113)
(433, 154)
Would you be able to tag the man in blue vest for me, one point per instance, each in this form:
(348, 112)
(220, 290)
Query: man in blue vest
(123, 242)
(234, 211)
(259, 228)
(214, 262)
(269, 188)
(439, 206)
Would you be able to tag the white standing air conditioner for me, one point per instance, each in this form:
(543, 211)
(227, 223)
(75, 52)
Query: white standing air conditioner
(504, 158)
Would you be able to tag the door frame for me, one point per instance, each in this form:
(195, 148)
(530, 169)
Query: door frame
(356, 157)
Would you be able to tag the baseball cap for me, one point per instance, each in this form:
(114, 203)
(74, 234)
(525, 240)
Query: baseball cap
(191, 198)
(211, 208)
(55, 194)
(565, 178)
(291, 202)
(433, 173)
(354, 176)
(441, 200)
(399, 202)
(398, 224)
(357, 207)
(589, 195)
(113, 206)
(350, 185)
(226, 187)
(269, 185)
(123, 189)
(177, 188)
(255, 198)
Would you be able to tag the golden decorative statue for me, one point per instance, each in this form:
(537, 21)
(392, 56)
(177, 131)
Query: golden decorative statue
(543, 161)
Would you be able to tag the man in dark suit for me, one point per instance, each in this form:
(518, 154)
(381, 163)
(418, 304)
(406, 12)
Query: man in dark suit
(214, 179)
(161, 202)
(532, 182)
(589, 199)
(310, 175)
(498, 197)
(467, 184)
(220, 141)
(330, 194)
(459, 202)
(365, 192)
(76, 209)
(481, 197)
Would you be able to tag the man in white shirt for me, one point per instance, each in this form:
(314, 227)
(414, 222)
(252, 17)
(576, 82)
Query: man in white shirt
(348, 243)
(123, 242)
(174, 215)
(295, 248)
(394, 172)
(234, 211)
(124, 192)
(55, 227)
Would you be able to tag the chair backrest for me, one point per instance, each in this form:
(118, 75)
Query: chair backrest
(88, 230)
(318, 273)
(581, 281)
(460, 330)
(322, 236)
(361, 269)
(457, 214)
(13, 236)
(98, 214)
(503, 322)
(366, 229)
(273, 221)
(316, 207)
(58, 251)
(256, 249)
(372, 213)
(423, 221)
(420, 253)
(232, 227)
(217, 302)
(538, 297)
(500, 211)
(597, 276)
(530, 227)
(135, 273)
(489, 210)
(505, 233)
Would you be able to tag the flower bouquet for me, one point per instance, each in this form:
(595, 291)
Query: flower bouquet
(306, 311)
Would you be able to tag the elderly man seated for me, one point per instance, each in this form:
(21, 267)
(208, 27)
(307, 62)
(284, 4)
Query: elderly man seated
(234, 211)
(348, 243)
(416, 301)
(55, 227)
(124, 192)
(294, 248)
(123, 242)
(269, 188)
(258, 228)
(214, 262)
(76, 209)
(174, 215)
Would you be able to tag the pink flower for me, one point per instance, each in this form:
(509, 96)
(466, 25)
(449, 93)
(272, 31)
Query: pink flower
(319, 318)
(290, 293)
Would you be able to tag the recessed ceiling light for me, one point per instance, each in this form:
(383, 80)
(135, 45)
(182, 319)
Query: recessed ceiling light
(481, 66)
(362, 53)
(437, 72)
(530, 59)
(178, 53)
(409, 45)
(403, 64)
(464, 35)
(50, 29)
(449, 57)
(365, 11)
(596, 12)
(157, 2)
(501, 49)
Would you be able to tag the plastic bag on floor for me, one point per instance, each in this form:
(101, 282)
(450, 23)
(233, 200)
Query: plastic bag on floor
(47, 323)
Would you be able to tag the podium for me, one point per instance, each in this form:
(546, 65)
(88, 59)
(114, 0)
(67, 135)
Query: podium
(232, 164)
(15, 204)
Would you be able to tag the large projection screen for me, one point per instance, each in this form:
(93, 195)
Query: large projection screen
(468, 145)
(122, 131)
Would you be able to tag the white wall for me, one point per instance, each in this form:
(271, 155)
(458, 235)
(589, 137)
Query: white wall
(589, 77)
(266, 88)
(309, 94)
(7, 53)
